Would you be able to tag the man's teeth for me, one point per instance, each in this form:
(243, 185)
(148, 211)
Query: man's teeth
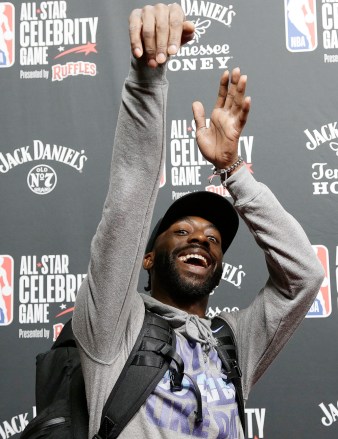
(194, 256)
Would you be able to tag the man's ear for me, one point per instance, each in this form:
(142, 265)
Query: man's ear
(148, 260)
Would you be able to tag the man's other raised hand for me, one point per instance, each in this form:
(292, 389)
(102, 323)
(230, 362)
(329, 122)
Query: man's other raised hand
(219, 142)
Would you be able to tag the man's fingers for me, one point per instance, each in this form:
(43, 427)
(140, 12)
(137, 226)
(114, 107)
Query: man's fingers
(223, 90)
(176, 27)
(158, 31)
(135, 26)
(148, 34)
(231, 96)
(199, 115)
(243, 115)
(162, 32)
(239, 95)
(188, 32)
(235, 76)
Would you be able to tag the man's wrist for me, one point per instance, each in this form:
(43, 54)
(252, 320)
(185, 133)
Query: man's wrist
(140, 72)
(235, 170)
(227, 171)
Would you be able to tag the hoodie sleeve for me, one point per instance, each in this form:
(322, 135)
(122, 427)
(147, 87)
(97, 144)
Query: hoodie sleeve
(295, 276)
(108, 294)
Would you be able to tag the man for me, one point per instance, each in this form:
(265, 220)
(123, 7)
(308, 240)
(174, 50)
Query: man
(184, 254)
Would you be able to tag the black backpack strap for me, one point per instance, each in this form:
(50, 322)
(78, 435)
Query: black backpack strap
(66, 337)
(154, 350)
(77, 394)
(227, 351)
(78, 405)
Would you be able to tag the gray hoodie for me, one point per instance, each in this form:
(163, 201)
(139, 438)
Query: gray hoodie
(109, 311)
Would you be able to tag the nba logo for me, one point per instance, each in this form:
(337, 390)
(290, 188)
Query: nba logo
(321, 307)
(6, 34)
(300, 25)
(6, 289)
(57, 328)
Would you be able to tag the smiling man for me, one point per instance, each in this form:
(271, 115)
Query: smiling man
(184, 253)
(186, 264)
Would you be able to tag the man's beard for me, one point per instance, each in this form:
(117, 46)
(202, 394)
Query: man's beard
(179, 286)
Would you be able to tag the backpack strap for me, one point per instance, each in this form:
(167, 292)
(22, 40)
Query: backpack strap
(154, 350)
(227, 351)
(77, 394)
(78, 405)
(66, 337)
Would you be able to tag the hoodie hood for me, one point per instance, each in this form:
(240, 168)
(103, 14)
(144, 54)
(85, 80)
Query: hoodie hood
(189, 325)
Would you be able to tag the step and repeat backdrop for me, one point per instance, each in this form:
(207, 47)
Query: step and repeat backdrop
(62, 67)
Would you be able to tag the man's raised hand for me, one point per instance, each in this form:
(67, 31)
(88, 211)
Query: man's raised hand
(158, 31)
(219, 143)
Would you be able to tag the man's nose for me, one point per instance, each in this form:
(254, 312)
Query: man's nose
(198, 236)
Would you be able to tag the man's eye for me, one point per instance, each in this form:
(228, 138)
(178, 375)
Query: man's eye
(212, 239)
(182, 232)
